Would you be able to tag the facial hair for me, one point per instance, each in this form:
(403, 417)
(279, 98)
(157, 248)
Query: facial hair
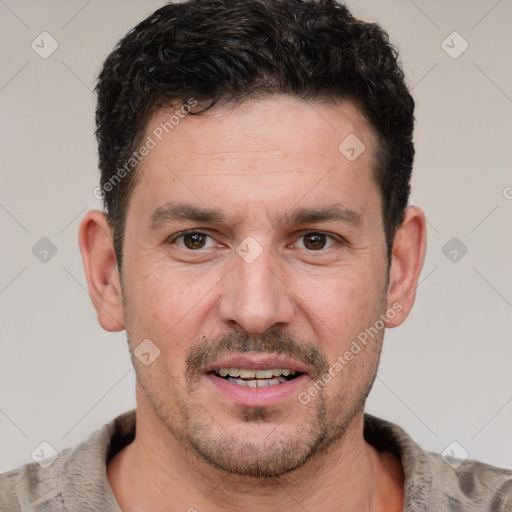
(281, 452)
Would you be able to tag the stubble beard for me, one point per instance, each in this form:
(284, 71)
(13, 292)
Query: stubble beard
(279, 454)
(283, 450)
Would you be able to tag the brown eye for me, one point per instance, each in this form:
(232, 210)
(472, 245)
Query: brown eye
(314, 241)
(194, 240)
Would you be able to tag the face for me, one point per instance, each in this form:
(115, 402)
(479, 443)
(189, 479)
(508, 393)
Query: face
(254, 256)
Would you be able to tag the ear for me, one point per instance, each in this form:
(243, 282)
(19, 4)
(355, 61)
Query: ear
(407, 261)
(100, 265)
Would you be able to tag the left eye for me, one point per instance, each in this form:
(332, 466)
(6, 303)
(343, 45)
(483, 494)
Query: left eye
(316, 241)
(194, 240)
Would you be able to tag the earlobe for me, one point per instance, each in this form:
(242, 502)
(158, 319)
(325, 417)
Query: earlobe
(408, 255)
(100, 265)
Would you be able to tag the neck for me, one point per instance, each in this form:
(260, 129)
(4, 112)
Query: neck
(158, 473)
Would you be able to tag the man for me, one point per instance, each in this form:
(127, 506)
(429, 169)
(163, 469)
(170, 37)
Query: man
(257, 240)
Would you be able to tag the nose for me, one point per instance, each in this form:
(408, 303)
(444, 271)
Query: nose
(255, 296)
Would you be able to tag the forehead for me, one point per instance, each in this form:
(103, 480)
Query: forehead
(262, 130)
(278, 151)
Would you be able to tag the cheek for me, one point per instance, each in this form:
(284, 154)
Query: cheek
(163, 291)
(339, 299)
(341, 306)
(167, 306)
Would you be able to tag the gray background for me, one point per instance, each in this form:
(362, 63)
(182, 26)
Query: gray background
(445, 375)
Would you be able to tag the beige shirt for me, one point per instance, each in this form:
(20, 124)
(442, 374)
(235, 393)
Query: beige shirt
(77, 480)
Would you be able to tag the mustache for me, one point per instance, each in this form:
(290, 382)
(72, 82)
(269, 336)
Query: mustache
(272, 341)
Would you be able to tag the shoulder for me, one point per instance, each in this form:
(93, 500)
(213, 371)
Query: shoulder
(436, 482)
(8, 490)
(31, 484)
(75, 481)
(471, 484)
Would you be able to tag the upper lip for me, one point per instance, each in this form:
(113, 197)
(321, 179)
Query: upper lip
(257, 362)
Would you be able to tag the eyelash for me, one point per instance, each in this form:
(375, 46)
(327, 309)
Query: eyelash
(302, 234)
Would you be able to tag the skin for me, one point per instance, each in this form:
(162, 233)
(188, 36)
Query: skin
(194, 447)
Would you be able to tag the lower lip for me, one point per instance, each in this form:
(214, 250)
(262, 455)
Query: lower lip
(257, 397)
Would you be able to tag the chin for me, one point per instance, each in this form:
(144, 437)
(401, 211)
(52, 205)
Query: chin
(267, 453)
(256, 442)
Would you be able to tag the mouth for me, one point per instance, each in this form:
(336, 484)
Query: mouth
(256, 378)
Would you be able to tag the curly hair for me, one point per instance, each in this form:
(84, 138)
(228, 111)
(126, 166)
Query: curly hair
(229, 51)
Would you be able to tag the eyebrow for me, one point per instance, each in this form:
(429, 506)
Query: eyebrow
(175, 212)
(335, 212)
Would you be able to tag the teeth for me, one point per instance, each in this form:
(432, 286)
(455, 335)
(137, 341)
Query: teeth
(258, 374)
(264, 374)
(247, 374)
(255, 383)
